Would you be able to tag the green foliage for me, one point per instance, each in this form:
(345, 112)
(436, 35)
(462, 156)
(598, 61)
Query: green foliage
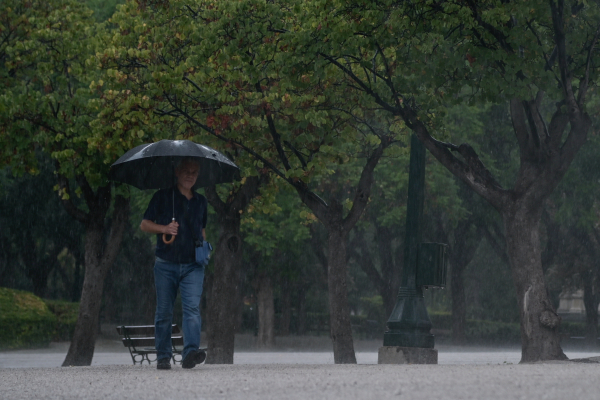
(46, 103)
(103, 9)
(373, 309)
(66, 317)
(25, 320)
(480, 331)
(36, 230)
(179, 67)
(576, 198)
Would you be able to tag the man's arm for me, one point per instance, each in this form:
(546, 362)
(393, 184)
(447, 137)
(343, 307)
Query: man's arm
(151, 227)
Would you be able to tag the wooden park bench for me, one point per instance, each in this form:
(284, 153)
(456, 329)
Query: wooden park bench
(140, 341)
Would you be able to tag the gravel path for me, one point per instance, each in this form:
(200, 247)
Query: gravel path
(291, 372)
(561, 380)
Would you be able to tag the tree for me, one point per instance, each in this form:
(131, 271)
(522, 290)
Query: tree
(283, 118)
(35, 231)
(422, 55)
(276, 231)
(488, 128)
(571, 221)
(47, 106)
(224, 304)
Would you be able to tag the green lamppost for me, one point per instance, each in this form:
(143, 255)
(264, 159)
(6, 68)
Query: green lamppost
(409, 339)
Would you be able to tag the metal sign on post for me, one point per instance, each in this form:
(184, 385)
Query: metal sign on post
(432, 263)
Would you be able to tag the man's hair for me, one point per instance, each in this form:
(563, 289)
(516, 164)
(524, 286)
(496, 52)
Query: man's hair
(186, 160)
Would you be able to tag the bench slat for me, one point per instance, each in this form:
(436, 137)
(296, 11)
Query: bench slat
(149, 341)
(146, 330)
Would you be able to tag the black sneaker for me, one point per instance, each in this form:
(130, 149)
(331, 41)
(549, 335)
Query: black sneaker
(193, 358)
(164, 363)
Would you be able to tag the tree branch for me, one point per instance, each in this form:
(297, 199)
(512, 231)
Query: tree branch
(365, 260)
(559, 37)
(583, 86)
(363, 188)
(519, 126)
(215, 201)
(248, 191)
(297, 153)
(275, 135)
(118, 224)
(72, 210)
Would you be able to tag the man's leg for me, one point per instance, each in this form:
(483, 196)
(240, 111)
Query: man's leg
(192, 278)
(166, 277)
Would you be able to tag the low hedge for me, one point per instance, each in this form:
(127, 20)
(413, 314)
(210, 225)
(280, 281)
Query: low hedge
(66, 317)
(25, 320)
(480, 331)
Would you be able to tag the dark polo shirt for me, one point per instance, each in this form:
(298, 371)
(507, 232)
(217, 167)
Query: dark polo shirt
(160, 211)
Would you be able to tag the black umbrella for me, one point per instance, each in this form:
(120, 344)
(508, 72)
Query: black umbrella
(152, 166)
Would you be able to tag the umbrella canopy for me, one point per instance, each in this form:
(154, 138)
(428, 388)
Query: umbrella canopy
(152, 166)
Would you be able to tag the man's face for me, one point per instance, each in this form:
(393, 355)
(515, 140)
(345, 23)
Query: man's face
(186, 174)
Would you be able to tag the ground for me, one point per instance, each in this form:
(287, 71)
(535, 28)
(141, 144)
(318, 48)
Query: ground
(289, 373)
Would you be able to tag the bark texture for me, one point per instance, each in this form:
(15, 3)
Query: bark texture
(339, 309)
(286, 308)
(539, 320)
(223, 301)
(590, 300)
(100, 254)
(266, 312)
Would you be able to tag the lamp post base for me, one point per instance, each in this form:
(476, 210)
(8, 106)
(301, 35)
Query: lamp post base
(406, 355)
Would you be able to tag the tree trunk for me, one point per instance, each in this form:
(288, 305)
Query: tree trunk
(338, 229)
(266, 312)
(339, 310)
(459, 305)
(286, 311)
(301, 311)
(76, 284)
(222, 305)
(99, 257)
(539, 320)
(591, 311)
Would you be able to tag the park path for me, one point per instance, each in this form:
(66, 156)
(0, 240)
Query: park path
(549, 381)
(308, 350)
(288, 373)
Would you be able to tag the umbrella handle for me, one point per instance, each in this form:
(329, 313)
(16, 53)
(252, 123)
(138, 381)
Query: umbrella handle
(168, 241)
(164, 238)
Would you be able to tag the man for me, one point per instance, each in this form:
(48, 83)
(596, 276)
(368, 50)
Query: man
(182, 213)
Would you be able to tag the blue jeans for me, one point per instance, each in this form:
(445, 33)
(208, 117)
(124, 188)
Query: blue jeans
(188, 278)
